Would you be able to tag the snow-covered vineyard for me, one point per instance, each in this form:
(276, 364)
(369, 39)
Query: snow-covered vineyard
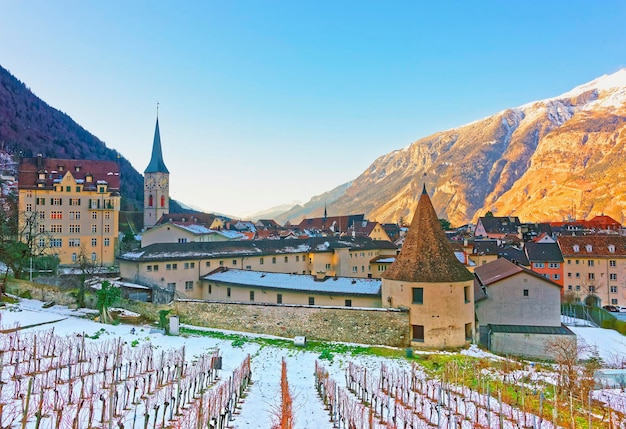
(70, 372)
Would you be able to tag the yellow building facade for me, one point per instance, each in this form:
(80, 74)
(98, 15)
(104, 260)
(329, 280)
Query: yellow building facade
(180, 266)
(71, 208)
(594, 269)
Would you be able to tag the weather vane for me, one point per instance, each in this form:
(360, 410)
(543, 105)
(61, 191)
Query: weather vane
(157, 109)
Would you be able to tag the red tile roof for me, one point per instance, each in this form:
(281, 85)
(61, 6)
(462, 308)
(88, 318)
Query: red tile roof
(56, 168)
(593, 245)
(334, 223)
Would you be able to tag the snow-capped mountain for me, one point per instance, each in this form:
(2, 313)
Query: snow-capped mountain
(546, 160)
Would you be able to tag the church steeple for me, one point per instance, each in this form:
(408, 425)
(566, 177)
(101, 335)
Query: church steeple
(156, 184)
(156, 164)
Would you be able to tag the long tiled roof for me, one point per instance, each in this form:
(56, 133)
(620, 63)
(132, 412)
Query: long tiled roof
(202, 250)
(501, 268)
(55, 169)
(513, 254)
(593, 245)
(525, 329)
(486, 247)
(297, 282)
(338, 223)
(500, 225)
(426, 255)
(543, 252)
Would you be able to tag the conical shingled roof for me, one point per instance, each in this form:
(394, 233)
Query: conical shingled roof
(156, 161)
(426, 255)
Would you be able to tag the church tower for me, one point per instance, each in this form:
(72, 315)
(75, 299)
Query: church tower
(429, 280)
(156, 185)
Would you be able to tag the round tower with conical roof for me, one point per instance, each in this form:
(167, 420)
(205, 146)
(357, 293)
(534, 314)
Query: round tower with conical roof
(429, 280)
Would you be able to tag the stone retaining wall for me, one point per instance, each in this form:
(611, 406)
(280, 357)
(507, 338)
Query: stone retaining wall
(358, 325)
(46, 293)
(343, 324)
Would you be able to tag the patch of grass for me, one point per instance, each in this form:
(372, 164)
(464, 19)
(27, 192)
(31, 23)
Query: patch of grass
(326, 355)
(9, 299)
(312, 346)
(239, 342)
(26, 294)
(97, 334)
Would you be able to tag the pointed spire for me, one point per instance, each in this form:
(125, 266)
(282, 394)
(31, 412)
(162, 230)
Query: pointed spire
(325, 213)
(156, 164)
(426, 255)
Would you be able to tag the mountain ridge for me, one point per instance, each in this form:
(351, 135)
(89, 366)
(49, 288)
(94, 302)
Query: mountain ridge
(551, 159)
(29, 125)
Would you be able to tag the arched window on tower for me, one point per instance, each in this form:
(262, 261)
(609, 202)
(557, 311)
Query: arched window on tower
(162, 201)
(150, 201)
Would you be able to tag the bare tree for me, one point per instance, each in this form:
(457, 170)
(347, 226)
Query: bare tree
(566, 351)
(87, 268)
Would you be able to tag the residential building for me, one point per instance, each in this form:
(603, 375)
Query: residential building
(497, 227)
(156, 184)
(530, 231)
(330, 225)
(518, 311)
(178, 267)
(594, 269)
(72, 206)
(428, 279)
(484, 251)
(183, 232)
(545, 258)
(365, 228)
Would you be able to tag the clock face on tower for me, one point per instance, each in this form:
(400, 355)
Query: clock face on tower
(162, 183)
(150, 182)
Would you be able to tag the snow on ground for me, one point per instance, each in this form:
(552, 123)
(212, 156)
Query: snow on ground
(610, 344)
(262, 398)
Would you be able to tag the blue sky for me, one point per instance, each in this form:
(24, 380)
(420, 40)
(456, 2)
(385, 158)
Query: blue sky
(267, 102)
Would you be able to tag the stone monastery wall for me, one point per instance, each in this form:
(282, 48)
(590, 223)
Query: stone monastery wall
(358, 325)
